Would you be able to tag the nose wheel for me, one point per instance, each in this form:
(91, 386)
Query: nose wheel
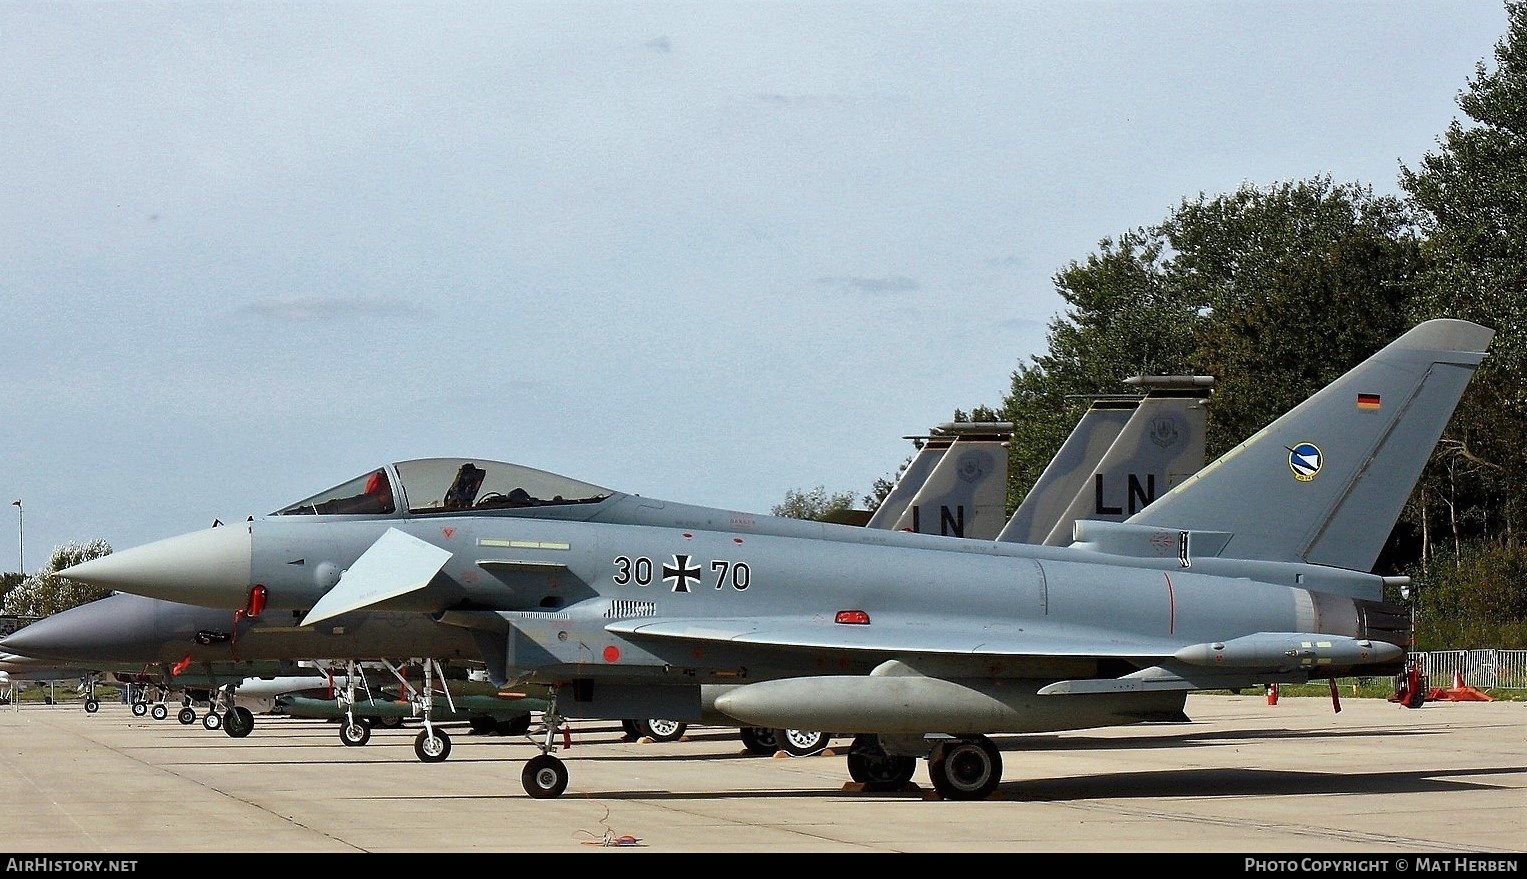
(354, 732)
(432, 745)
(544, 777)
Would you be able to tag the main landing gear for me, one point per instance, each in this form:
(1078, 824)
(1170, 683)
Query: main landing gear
(961, 768)
(433, 744)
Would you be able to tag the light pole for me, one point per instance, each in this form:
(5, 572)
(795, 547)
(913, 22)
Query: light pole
(21, 539)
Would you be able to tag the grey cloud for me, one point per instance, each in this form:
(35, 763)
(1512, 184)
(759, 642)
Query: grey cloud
(893, 284)
(312, 307)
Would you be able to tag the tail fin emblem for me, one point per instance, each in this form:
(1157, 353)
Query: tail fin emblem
(1304, 460)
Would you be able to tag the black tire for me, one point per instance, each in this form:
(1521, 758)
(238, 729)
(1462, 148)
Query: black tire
(514, 726)
(544, 777)
(432, 748)
(630, 729)
(482, 724)
(238, 722)
(92, 706)
(966, 769)
(871, 766)
(661, 730)
(354, 733)
(140, 709)
(802, 742)
(186, 716)
(212, 720)
(160, 712)
(759, 740)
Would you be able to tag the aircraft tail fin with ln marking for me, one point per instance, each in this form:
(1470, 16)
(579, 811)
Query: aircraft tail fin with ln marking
(1066, 474)
(955, 486)
(1161, 445)
(1325, 483)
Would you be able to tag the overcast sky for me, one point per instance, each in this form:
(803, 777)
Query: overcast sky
(707, 252)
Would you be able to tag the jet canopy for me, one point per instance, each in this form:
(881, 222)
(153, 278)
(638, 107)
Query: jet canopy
(434, 485)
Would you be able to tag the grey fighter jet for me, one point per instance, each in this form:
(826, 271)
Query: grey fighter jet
(167, 645)
(1257, 569)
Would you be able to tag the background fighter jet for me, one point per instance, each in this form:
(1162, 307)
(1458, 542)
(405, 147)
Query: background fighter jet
(956, 485)
(1123, 453)
(186, 642)
(1254, 570)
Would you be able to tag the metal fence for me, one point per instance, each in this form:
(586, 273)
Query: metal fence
(1482, 669)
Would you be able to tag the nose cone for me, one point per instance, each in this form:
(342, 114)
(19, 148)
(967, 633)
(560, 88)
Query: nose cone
(118, 628)
(209, 568)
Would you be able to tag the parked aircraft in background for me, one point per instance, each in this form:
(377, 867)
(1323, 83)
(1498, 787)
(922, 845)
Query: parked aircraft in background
(182, 642)
(1123, 453)
(956, 484)
(1256, 569)
(18, 672)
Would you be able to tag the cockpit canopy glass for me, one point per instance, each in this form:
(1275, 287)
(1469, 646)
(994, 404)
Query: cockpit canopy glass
(433, 485)
(371, 493)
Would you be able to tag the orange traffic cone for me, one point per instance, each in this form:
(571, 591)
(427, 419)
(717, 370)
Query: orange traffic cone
(1458, 680)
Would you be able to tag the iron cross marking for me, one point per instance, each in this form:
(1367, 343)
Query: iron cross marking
(681, 573)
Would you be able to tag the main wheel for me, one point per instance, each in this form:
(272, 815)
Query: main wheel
(631, 730)
(160, 712)
(238, 722)
(966, 769)
(432, 748)
(186, 716)
(92, 706)
(759, 740)
(354, 733)
(802, 742)
(212, 720)
(544, 777)
(871, 766)
(661, 730)
(140, 709)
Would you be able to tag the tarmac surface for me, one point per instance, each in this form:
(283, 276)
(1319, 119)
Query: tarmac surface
(1243, 777)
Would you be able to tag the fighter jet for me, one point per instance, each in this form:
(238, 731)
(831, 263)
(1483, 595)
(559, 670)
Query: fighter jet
(1256, 569)
(215, 648)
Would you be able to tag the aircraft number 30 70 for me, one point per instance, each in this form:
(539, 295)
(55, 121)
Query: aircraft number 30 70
(681, 571)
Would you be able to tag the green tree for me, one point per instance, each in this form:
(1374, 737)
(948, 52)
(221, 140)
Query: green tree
(1275, 291)
(1472, 192)
(817, 504)
(45, 593)
(10, 581)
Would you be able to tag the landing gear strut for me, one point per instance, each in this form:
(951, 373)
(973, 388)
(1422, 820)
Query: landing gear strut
(545, 776)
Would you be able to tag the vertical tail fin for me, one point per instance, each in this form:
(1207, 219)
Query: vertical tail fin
(1162, 445)
(964, 491)
(911, 482)
(1066, 474)
(1325, 483)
